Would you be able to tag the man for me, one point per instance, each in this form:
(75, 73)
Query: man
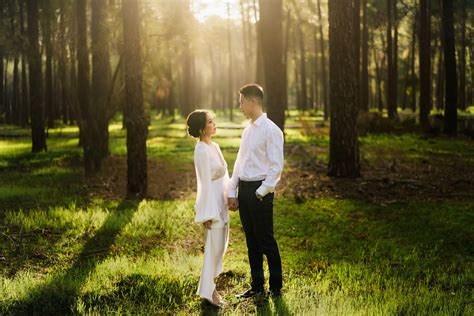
(257, 171)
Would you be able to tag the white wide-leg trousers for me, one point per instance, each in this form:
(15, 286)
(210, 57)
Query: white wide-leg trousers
(217, 240)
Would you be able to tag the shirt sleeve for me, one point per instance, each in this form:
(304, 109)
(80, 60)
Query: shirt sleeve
(206, 208)
(275, 159)
(226, 175)
(234, 180)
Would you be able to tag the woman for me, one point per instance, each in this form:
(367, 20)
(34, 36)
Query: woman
(211, 201)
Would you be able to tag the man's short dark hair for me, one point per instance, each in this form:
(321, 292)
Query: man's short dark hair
(252, 90)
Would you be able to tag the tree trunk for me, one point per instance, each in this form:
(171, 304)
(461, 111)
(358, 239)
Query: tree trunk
(450, 108)
(245, 33)
(101, 75)
(324, 80)
(425, 64)
(304, 94)
(343, 144)
(15, 104)
(259, 75)
(2, 103)
(364, 87)
(413, 77)
(83, 89)
(462, 57)
(74, 112)
(440, 72)
(6, 96)
(49, 100)
(471, 58)
(395, 60)
(271, 16)
(302, 103)
(24, 110)
(38, 135)
(391, 60)
(63, 64)
(285, 60)
(230, 100)
(356, 20)
(135, 120)
(15, 99)
(314, 77)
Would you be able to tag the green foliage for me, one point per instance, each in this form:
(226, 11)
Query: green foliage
(66, 250)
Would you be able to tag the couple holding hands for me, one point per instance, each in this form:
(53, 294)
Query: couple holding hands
(250, 190)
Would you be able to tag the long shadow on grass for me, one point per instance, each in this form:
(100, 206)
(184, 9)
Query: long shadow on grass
(40, 181)
(411, 241)
(59, 294)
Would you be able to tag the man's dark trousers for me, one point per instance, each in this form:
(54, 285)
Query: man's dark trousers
(257, 220)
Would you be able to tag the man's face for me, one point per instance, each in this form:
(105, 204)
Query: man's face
(246, 105)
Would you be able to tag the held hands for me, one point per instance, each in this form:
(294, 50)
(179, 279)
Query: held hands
(207, 224)
(233, 204)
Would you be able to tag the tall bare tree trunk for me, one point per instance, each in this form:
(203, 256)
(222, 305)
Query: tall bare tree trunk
(2, 103)
(425, 64)
(24, 111)
(304, 93)
(364, 87)
(271, 17)
(343, 143)
(38, 135)
(83, 88)
(451, 101)
(356, 21)
(230, 100)
(462, 57)
(63, 63)
(101, 76)
(440, 72)
(285, 59)
(49, 100)
(413, 77)
(314, 77)
(15, 99)
(325, 88)
(246, 40)
(74, 111)
(259, 72)
(391, 60)
(136, 123)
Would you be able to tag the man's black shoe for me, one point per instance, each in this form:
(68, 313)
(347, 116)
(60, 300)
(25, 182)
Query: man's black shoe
(250, 293)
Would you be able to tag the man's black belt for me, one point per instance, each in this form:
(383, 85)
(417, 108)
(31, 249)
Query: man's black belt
(244, 184)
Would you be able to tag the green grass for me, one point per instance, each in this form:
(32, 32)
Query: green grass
(66, 250)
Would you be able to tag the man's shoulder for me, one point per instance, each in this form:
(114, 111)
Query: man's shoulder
(273, 128)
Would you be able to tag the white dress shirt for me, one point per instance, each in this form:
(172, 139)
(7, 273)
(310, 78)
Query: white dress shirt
(260, 156)
(212, 178)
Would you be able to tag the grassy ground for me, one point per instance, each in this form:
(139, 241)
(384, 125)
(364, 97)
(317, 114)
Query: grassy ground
(73, 245)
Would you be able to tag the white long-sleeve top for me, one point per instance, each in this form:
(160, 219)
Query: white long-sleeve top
(212, 177)
(260, 156)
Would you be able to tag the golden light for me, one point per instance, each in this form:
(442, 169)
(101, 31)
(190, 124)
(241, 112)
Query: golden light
(203, 9)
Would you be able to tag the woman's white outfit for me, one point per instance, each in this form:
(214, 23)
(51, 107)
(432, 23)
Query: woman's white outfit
(211, 204)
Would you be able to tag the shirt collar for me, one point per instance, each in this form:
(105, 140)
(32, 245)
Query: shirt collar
(260, 120)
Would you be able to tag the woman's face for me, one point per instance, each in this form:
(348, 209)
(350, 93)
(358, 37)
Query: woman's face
(210, 128)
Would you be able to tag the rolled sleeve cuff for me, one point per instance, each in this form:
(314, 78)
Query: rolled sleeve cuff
(264, 189)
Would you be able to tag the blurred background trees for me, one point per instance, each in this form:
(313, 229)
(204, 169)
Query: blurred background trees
(63, 62)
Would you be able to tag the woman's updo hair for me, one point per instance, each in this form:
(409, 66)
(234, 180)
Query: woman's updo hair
(196, 122)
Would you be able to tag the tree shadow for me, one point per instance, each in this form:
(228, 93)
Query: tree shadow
(41, 181)
(59, 293)
(281, 308)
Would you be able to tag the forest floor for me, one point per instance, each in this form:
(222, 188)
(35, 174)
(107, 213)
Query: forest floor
(399, 239)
